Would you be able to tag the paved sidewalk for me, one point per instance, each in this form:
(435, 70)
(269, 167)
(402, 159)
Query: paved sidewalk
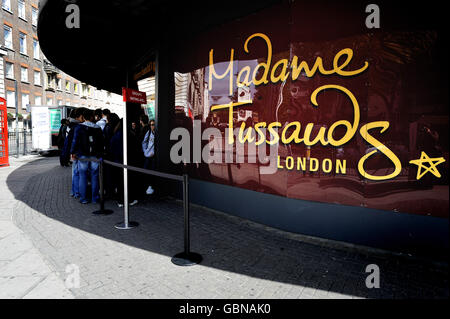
(23, 270)
(241, 259)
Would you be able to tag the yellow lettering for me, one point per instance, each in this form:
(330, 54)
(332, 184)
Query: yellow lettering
(327, 166)
(364, 131)
(301, 163)
(274, 133)
(278, 162)
(313, 164)
(351, 129)
(289, 163)
(341, 166)
(283, 75)
(248, 134)
(294, 135)
(266, 66)
(243, 77)
(229, 71)
(261, 135)
(230, 107)
(320, 135)
(338, 68)
(297, 69)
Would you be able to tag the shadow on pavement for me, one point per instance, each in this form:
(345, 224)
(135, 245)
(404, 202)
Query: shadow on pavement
(226, 243)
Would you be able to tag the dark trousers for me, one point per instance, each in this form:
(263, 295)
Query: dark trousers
(63, 161)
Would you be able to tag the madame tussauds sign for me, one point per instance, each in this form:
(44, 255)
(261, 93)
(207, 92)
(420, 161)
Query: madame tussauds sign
(262, 135)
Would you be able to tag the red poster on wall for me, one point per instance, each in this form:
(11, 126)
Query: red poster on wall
(4, 159)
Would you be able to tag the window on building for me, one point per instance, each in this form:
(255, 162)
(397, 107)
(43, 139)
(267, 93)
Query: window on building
(75, 88)
(34, 16)
(37, 77)
(49, 101)
(11, 99)
(60, 102)
(7, 33)
(67, 86)
(84, 90)
(36, 49)
(21, 9)
(23, 43)
(9, 70)
(50, 81)
(58, 83)
(25, 100)
(23, 74)
(6, 4)
(38, 100)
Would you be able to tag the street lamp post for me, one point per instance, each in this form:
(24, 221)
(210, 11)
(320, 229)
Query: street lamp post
(17, 118)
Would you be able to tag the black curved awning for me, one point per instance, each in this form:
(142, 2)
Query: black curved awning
(116, 34)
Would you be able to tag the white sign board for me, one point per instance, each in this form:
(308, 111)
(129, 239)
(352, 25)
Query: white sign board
(40, 118)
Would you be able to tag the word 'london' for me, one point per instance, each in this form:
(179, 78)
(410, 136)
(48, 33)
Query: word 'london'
(280, 72)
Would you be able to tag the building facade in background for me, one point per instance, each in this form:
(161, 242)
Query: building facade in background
(39, 82)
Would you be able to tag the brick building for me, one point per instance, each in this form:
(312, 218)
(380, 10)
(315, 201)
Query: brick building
(38, 81)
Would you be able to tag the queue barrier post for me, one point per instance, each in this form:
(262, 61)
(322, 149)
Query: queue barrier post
(126, 224)
(102, 210)
(186, 258)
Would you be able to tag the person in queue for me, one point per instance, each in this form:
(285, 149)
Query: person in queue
(105, 113)
(99, 120)
(148, 147)
(60, 142)
(87, 148)
(111, 123)
(143, 120)
(135, 129)
(112, 120)
(76, 117)
(143, 129)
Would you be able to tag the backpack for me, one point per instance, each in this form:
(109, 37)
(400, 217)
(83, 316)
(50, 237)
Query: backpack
(92, 144)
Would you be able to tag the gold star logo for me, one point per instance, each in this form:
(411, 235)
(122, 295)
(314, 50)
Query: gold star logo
(424, 158)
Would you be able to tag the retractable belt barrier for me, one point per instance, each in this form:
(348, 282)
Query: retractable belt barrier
(185, 258)
(145, 171)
